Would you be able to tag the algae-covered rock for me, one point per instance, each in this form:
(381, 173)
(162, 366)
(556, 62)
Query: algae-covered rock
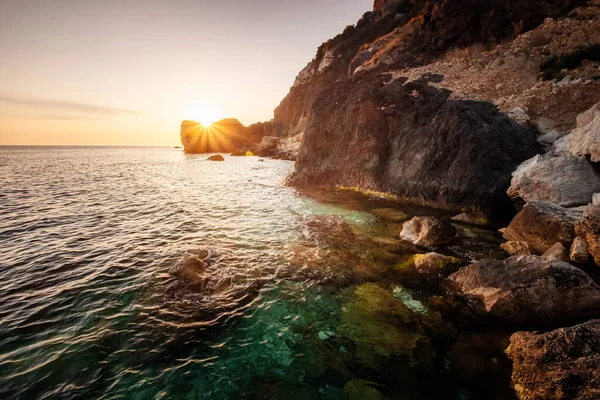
(382, 326)
(427, 232)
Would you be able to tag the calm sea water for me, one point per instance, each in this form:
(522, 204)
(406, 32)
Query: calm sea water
(89, 310)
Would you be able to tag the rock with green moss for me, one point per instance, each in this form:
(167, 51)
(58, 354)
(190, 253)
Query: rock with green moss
(390, 214)
(382, 326)
(360, 389)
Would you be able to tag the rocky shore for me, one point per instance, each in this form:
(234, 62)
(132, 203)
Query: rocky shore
(488, 109)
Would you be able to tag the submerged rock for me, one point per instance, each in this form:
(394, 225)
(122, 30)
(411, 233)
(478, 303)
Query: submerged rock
(541, 224)
(217, 157)
(589, 228)
(579, 251)
(434, 264)
(566, 181)
(360, 389)
(382, 326)
(192, 267)
(528, 290)
(427, 232)
(390, 214)
(561, 364)
(585, 139)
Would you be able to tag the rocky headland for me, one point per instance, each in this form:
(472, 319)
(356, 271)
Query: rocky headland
(487, 109)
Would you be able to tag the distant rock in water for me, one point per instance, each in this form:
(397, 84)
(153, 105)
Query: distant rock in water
(217, 157)
(225, 136)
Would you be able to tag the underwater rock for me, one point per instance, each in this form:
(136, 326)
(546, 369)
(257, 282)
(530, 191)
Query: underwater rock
(192, 267)
(324, 335)
(589, 228)
(541, 224)
(557, 251)
(427, 232)
(528, 290)
(360, 389)
(381, 327)
(579, 251)
(390, 214)
(560, 364)
(472, 218)
(435, 264)
(217, 157)
(406, 297)
(518, 248)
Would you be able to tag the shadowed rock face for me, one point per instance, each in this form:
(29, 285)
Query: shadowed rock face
(561, 364)
(224, 136)
(410, 140)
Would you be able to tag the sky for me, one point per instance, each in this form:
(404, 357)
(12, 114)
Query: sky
(125, 72)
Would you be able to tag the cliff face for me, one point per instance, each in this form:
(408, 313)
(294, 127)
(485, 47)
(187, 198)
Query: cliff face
(225, 136)
(490, 51)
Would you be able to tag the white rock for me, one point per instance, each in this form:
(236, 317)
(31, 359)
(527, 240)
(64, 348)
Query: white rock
(566, 181)
(585, 139)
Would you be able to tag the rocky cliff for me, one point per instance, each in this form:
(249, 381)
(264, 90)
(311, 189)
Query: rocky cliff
(448, 141)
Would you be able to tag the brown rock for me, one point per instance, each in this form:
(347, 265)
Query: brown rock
(557, 251)
(585, 140)
(561, 364)
(579, 251)
(518, 248)
(427, 232)
(217, 157)
(359, 389)
(528, 290)
(589, 228)
(541, 224)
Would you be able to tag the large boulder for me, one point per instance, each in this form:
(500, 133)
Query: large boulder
(566, 181)
(589, 228)
(528, 290)
(427, 232)
(542, 224)
(561, 364)
(585, 139)
(409, 139)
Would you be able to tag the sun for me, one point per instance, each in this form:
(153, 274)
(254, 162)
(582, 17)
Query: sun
(205, 113)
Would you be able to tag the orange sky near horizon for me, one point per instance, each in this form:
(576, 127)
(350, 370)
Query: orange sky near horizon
(125, 72)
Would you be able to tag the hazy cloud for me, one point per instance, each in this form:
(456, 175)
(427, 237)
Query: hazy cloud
(59, 109)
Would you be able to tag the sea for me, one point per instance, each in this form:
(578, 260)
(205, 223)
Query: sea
(298, 294)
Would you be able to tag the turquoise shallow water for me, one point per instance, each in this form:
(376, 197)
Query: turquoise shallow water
(298, 302)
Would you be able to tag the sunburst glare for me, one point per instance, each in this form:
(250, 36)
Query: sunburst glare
(205, 113)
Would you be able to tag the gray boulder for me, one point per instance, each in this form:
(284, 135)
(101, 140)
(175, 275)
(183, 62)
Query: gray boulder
(566, 181)
(528, 290)
(561, 364)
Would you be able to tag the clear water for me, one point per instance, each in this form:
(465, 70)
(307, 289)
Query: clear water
(88, 308)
